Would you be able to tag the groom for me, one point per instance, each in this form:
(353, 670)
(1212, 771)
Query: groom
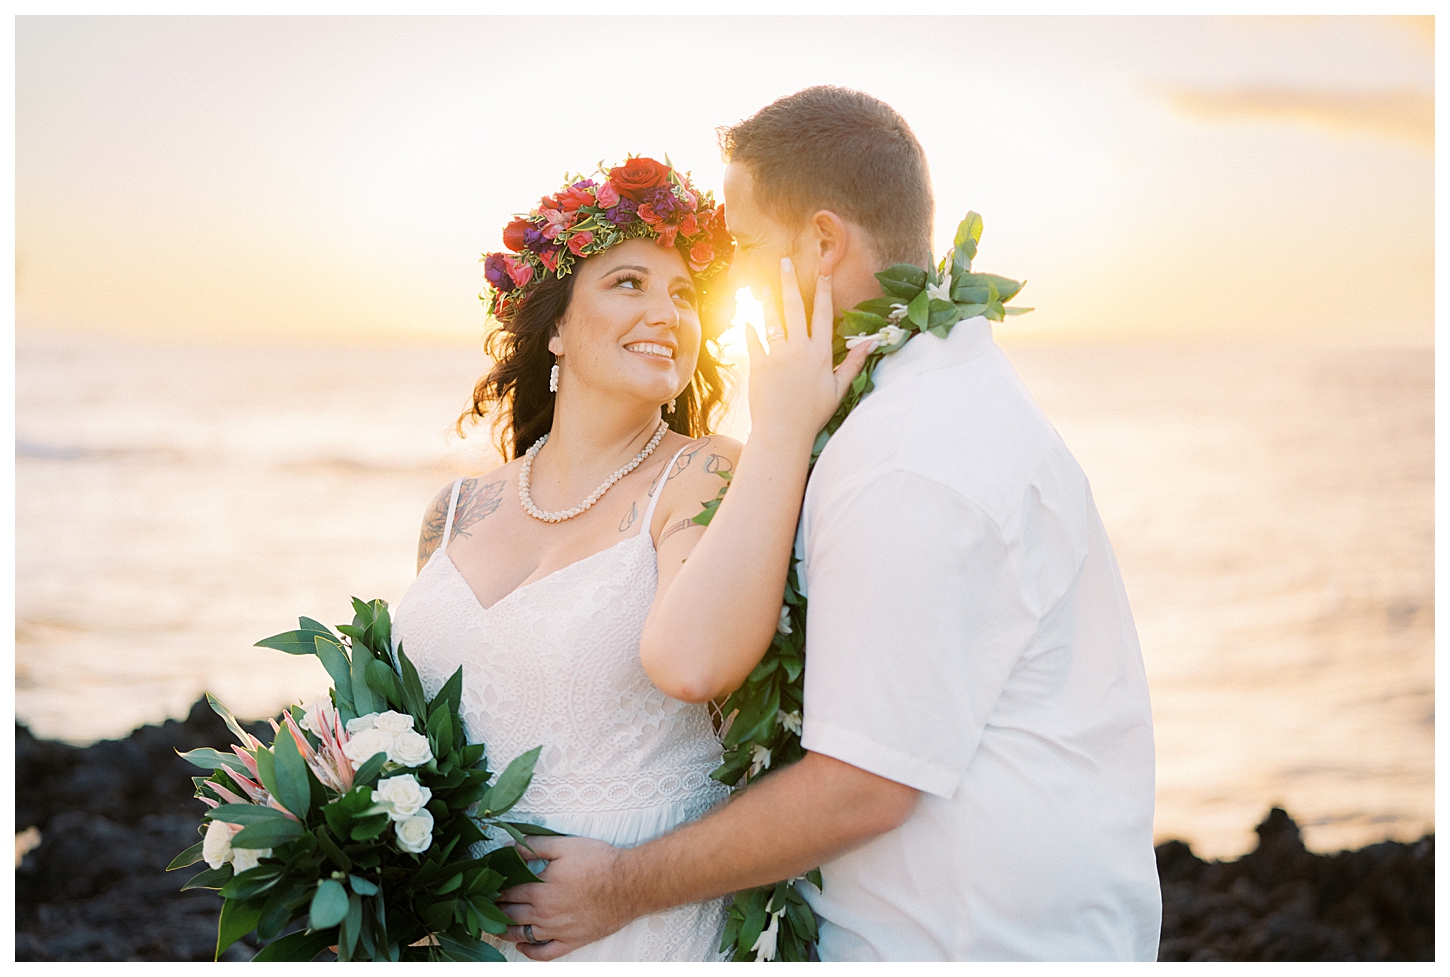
(979, 777)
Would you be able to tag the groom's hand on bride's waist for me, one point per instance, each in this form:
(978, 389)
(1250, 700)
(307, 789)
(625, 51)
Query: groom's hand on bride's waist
(579, 901)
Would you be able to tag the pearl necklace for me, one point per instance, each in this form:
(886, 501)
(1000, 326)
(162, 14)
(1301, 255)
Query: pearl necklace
(595, 496)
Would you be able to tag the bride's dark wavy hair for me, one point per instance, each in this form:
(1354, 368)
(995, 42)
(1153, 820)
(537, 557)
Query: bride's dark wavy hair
(518, 385)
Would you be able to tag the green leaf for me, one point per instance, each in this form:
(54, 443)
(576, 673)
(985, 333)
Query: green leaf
(292, 642)
(208, 759)
(510, 864)
(212, 878)
(471, 950)
(362, 886)
(368, 772)
(366, 829)
(293, 790)
(351, 926)
(237, 920)
(916, 309)
(252, 882)
(511, 784)
(227, 718)
(970, 229)
(336, 663)
(362, 696)
(383, 682)
(277, 911)
(440, 729)
(382, 630)
(903, 281)
(329, 905)
(189, 857)
(267, 834)
(536, 829)
(266, 770)
(1016, 310)
(853, 323)
(814, 878)
(332, 851)
(308, 624)
(1006, 287)
(880, 306)
(451, 693)
(295, 947)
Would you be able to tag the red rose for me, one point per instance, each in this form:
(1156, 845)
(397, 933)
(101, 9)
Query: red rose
(513, 235)
(701, 255)
(647, 214)
(637, 175)
(689, 226)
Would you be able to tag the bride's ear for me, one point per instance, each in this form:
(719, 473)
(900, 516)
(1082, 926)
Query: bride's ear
(556, 342)
(832, 240)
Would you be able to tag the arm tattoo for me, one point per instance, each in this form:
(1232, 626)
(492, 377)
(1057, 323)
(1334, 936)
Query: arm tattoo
(629, 517)
(716, 464)
(687, 456)
(474, 504)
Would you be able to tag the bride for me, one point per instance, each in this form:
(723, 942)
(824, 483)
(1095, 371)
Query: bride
(589, 613)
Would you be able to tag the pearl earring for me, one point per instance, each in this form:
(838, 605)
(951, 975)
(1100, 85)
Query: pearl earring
(554, 379)
(671, 408)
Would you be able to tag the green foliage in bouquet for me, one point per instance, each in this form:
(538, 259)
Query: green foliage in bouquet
(364, 832)
(764, 714)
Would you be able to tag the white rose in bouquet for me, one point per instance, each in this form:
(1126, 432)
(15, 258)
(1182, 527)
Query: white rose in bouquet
(216, 847)
(361, 723)
(403, 796)
(365, 744)
(247, 858)
(416, 833)
(393, 722)
(410, 749)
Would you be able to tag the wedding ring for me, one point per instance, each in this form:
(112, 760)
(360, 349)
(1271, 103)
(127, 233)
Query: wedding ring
(529, 933)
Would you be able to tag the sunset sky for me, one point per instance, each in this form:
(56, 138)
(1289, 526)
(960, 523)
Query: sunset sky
(332, 179)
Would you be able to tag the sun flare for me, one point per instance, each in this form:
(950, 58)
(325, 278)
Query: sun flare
(748, 312)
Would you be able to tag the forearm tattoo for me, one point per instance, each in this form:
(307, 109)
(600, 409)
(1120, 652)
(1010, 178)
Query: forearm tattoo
(475, 503)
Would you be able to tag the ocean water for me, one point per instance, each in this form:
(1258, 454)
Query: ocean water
(1271, 508)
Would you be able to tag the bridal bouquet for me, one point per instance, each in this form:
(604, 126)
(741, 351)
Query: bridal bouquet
(764, 715)
(360, 814)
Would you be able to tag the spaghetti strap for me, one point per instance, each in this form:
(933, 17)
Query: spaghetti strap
(658, 488)
(448, 525)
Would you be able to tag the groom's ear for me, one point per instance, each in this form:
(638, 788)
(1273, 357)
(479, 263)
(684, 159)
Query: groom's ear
(832, 240)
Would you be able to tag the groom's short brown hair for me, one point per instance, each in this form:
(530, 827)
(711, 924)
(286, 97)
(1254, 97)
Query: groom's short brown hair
(829, 148)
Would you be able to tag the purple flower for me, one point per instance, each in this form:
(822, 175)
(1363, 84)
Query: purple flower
(664, 202)
(621, 215)
(534, 239)
(497, 274)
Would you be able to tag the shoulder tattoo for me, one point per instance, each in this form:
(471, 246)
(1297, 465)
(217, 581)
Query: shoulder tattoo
(475, 503)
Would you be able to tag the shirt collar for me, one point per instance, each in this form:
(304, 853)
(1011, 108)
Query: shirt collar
(925, 351)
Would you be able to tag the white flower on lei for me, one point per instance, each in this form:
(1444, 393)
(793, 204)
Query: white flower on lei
(942, 291)
(403, 796)
(416, 833)
(897, 313)
(888, 335)
(244, 859)
(765, 943)
(784, 626)
(759, 759)
(790, 720)
(410, 749)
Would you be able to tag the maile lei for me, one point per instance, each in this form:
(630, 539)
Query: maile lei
(764, 715)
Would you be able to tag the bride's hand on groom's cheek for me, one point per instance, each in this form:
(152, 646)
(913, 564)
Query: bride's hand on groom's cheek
(578, 902)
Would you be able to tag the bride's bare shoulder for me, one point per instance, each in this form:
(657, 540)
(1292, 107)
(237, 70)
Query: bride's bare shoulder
(479, 496)
(703, 465)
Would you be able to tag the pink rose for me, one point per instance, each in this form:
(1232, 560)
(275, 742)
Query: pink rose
(578, 242)
(607, 195)
(689, 226)
(701, 255)
(647, 214)
(520, 272)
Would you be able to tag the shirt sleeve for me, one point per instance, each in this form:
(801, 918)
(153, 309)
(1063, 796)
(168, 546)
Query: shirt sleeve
(918, 611)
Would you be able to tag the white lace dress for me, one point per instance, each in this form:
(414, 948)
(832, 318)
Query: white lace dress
(556, 663)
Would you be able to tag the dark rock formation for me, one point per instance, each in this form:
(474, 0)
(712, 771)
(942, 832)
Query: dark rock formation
(113, 815)
(1281, 902)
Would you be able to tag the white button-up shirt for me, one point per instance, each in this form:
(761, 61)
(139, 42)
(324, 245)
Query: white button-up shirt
(969, 636)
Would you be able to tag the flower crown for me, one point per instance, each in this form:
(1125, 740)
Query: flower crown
(641, 198)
